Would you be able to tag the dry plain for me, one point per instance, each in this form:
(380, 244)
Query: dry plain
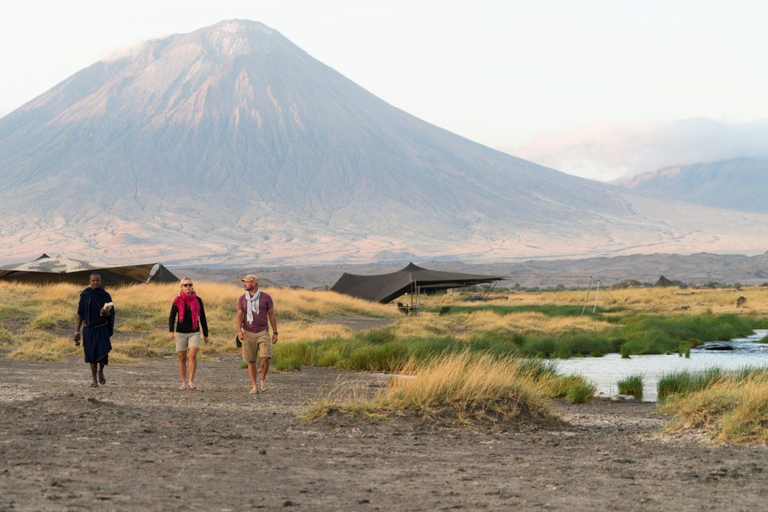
(140, 444)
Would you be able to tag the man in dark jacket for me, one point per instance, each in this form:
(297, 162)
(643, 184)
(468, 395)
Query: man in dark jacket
(96, 315)
(191, 313)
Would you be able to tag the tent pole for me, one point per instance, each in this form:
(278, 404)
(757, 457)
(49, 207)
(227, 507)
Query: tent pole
(589, 288)
(597, 294)
(489, 290)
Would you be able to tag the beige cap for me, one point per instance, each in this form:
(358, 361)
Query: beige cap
(251, 277)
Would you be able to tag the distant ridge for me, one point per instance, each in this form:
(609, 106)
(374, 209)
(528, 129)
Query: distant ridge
(230, 144)
(736, 184)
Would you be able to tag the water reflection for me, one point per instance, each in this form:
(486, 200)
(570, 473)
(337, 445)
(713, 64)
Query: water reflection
(605, 371)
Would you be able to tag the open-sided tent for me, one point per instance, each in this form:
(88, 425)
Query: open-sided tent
(60, 269)
(387, 287)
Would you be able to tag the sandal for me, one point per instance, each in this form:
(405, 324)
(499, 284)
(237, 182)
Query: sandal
(94, 384)
(183, 388)
(254, 391)
(263, 388)
(192, 388)
(102, 380)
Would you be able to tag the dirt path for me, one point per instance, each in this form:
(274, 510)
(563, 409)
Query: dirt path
(138, 443)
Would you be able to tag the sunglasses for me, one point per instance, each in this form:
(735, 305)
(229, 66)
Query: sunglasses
(187, 284)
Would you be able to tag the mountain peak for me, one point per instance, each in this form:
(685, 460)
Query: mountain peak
(239, 37)
(230, 143)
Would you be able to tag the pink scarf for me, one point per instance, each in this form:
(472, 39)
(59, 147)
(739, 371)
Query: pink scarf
(191, 301)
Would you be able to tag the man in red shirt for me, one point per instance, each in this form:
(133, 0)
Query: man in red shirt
(254, 307)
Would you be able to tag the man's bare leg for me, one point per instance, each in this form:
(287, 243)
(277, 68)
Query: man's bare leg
(253, 372)
(192, 366)
(183, 368)
(264, 369)
(93, 373)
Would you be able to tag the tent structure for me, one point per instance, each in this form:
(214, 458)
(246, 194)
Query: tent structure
(385, 288)
(663, 282)
(60, 269)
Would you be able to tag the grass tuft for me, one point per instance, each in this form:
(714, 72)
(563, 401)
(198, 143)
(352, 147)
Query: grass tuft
(581, 392)
(731, 408)
(685, 382)
(457, 389)
(632, 385)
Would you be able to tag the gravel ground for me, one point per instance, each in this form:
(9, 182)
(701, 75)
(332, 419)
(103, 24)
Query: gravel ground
(139, 443)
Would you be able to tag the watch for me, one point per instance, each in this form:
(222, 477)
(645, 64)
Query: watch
(274, 332)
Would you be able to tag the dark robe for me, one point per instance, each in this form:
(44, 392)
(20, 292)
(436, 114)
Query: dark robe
(96, 329)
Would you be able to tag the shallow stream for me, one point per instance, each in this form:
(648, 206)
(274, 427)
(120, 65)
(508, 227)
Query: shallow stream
(605, 371)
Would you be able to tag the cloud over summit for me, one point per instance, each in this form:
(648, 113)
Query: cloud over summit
(611, 150)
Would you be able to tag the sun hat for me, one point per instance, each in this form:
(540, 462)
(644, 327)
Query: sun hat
(251, 277)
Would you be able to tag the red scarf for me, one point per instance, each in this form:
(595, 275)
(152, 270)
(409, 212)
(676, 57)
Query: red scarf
(191, 301)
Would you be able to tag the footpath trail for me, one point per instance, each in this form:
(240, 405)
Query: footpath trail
(140, 444)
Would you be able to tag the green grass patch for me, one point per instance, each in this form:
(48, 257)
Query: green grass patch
(632, 385)
(380, 349)
(16, 312)
(31, 354)
(546, 309)
(686, 382)
(581, 392)
(7, 338)
(637, 335)
(43, 322)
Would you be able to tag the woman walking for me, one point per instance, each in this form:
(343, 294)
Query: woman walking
(191, 316)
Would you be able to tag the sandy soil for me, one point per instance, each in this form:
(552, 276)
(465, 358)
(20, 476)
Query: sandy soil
(138, 443)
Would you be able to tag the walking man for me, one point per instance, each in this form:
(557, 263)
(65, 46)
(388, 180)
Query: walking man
(253, 309)
(189, 308)
(96, 315)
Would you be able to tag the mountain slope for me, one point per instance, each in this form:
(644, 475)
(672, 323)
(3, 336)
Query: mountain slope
(230, 144)
(737, 184)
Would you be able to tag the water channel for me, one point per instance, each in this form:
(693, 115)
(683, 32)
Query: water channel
(605, 371)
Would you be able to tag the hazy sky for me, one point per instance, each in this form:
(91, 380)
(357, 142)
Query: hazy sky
(566, 83)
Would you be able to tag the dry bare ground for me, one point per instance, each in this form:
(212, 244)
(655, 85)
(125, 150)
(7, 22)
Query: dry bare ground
(138, 443)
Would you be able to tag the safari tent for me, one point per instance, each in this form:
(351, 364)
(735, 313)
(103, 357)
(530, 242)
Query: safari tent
(385, 288)
(663, 282)
(60, 269)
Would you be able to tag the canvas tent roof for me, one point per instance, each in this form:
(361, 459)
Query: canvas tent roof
(663, 282)
(60, 269)
(387, 287)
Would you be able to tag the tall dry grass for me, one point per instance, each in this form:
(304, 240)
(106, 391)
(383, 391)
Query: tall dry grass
(468, 325)
(637, 300)
(33, 312)
(460, 388)
(732, 409)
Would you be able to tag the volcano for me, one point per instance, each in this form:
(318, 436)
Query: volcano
(231, 145)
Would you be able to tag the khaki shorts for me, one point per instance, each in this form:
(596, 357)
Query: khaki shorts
(256, 344)
(186, 339)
